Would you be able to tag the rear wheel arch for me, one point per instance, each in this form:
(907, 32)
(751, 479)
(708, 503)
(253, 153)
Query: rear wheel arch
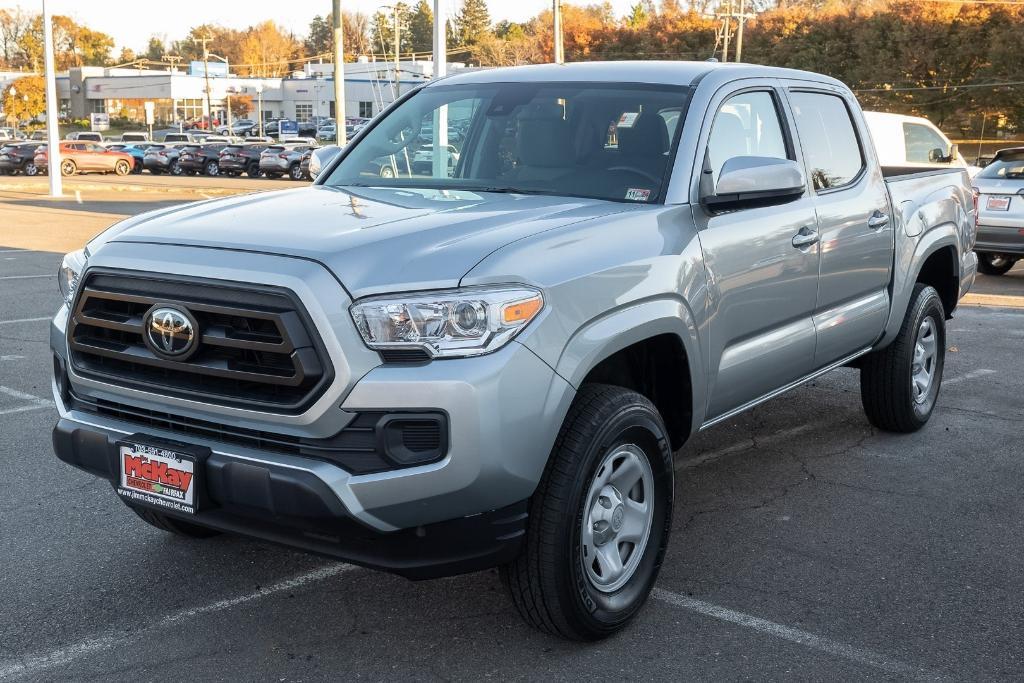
(941, 271)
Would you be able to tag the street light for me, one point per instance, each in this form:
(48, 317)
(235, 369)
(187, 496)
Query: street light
(52, 138)
(259, 106)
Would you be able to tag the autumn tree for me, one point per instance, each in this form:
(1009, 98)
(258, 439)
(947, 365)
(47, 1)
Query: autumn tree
(25, 98)
(355, 34)
(155, 49)
(241, 105)
(267, 51)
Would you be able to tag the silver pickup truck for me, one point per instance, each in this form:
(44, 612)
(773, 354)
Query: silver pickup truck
(491, 362)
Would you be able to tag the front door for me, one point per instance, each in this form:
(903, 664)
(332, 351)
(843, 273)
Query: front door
(762, 286)
(854, 223)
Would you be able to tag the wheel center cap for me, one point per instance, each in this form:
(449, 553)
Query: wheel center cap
(617, 516)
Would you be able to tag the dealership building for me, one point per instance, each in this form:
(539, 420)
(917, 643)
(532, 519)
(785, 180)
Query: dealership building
(180, 96)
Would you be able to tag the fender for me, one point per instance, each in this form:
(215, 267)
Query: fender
(603, 336)
(910, 258)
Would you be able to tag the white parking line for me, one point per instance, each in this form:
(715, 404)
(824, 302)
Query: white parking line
(973, 374)
(24, 320)
(794, 635)
(17, 251)
(34, 400)
(23, 277)
(10, 358)
(32, 665)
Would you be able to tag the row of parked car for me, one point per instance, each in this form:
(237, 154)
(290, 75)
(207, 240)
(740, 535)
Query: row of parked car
(256, 157)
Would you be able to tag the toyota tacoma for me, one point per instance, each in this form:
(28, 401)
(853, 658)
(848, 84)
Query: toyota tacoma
(490, 361)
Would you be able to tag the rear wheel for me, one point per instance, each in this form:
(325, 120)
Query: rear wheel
(176, 169)
(68, 167)
(29, 169)
(600, 518)
(995, 264)
(122, 168)
(253, 170)
(900, 383)
(387, 172)
(174, 526)
(295, 171)
(212, 168)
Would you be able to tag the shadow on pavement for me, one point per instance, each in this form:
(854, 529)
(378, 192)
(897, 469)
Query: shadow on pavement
(121, 207)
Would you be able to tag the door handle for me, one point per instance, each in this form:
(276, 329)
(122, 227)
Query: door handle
(805, 238)
(878, 220)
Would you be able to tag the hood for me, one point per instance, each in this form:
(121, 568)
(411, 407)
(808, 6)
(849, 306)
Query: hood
(373, 239)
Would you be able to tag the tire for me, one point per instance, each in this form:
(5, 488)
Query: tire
(889, 389)
(995, 264)
(174, 526)
(295, 171)
(175, 169)
(253, 170)
(387, 172)
(212, 168)
(68, 167)
(29, 169)
(122, 168)
(551, 583)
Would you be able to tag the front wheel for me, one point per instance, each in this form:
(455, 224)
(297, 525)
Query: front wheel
(122, 168)
(995, 264)
(900, 383)
(600, 518)
(212, 168)
(68, 167)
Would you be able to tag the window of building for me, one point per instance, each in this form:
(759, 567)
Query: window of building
(828, 139)
(366, 110)
(98, 106)
(303, 111)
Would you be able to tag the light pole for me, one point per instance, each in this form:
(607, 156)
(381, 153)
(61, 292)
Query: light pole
(556, 10)
(52, 136)
(439, 159)
(259, 107)
(339, 75)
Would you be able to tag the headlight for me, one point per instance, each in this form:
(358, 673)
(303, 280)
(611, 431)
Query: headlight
(70, 270)
(448, 324)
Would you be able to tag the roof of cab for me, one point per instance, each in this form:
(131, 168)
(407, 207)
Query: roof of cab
(653, 72)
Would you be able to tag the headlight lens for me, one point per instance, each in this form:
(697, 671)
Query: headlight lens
(70, 270)
(448, 324)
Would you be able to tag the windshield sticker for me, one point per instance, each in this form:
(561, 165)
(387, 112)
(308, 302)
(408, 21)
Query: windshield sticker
(628, 119)
(637, 195)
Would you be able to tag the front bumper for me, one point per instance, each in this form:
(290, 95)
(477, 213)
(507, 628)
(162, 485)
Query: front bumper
(296, 508)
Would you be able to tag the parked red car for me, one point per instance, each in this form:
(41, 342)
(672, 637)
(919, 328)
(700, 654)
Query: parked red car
(86, 157)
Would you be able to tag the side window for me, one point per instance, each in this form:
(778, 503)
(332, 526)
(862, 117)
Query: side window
(923, 143)
(828, 138)
(746, 125)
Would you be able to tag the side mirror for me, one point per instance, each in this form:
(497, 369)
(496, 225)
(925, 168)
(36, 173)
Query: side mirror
(753, 181)
(321, 158)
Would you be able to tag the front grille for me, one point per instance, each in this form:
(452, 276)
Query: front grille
(358, 448)
(257, 348)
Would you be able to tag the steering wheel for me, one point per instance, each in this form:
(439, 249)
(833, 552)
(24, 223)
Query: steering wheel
(637, 171)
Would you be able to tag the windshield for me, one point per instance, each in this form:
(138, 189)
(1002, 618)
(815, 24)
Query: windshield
(610, 141)
(1012, 169)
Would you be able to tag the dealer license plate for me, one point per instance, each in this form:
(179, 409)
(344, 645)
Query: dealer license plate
(157, 476)
(997, 203)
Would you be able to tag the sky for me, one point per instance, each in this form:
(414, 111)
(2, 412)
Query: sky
(132, 23)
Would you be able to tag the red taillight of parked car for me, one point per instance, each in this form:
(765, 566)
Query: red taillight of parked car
(976, 197)
(163, 154)
(283, 155)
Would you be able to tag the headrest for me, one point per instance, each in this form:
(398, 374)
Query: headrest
(545, 138)
(648, 136)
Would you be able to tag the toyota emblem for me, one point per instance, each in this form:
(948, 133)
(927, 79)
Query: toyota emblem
(170, 332)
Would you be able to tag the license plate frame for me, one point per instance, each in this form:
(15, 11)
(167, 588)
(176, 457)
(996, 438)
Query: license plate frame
(998, 202)
(160, 474)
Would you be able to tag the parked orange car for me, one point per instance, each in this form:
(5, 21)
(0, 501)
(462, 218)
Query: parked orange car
(86, 157)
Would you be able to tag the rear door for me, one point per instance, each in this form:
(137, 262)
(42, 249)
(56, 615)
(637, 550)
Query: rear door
(762, 286)
(854, 222)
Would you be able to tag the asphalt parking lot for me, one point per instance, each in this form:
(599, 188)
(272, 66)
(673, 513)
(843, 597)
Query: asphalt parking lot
(806, 545)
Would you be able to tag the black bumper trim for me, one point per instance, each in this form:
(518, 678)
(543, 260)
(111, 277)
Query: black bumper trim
(297, 509)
